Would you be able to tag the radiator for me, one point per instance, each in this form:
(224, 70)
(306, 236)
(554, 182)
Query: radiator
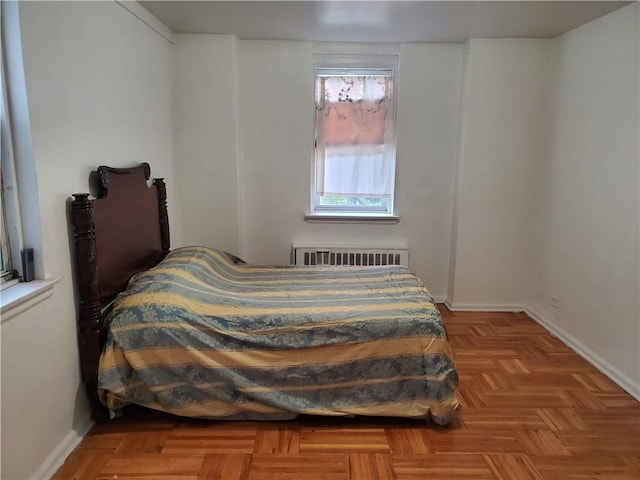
(357, 256)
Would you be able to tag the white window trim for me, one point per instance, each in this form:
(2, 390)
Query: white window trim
(11, 215)
(340, 55)
(19, 173)
(11, 205)
(359, 217)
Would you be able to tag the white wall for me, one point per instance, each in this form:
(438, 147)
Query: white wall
(206, 143)
(587, 239)
(428, 108)
(275, 133)
(99, 93)
(500, 148)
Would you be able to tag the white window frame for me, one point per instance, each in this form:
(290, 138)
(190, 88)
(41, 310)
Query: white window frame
(373, 58)
(10, 223)
(20, 189)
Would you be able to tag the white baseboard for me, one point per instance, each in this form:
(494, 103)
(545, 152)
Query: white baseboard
(447, 303)
(483, 307)
(56, 458)
(628, 384)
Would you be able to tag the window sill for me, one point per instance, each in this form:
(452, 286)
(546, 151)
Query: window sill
(23, 296)
(334, 217)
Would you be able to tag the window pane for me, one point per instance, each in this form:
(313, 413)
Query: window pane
(5, 262)
(354, 139)
(6, 194)
(350, 171)
(366, 202)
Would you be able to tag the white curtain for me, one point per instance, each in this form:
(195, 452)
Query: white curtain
(352, 144)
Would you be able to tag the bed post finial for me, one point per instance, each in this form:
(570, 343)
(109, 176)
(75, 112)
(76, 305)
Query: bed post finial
(164, 217)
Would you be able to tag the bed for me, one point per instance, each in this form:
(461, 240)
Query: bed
(197, 332)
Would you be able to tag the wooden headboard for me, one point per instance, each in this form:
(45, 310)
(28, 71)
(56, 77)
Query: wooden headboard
(124, 230)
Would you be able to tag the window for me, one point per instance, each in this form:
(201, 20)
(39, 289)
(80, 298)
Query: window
(354, 141)
(20, 225)
(10, 221)
(6, 268)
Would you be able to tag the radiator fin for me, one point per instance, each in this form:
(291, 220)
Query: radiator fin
(351, 256)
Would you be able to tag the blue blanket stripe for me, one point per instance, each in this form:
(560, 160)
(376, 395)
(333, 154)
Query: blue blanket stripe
(281, 378)
(225, 339)
(295, 401)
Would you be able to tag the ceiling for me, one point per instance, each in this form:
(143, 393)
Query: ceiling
(379, 21)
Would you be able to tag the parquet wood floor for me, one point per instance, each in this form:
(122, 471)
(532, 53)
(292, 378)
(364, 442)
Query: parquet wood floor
(531, 410)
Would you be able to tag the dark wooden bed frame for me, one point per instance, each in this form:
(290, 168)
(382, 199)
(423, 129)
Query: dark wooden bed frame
(124, 230)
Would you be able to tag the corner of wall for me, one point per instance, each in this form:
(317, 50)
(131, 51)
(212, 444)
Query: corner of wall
(240, 247)
(628, 384)
(573, 246)
(149, 19)
(457, 176)
(57, 457)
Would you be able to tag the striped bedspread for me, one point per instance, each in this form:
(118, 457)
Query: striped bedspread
(201, 335)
